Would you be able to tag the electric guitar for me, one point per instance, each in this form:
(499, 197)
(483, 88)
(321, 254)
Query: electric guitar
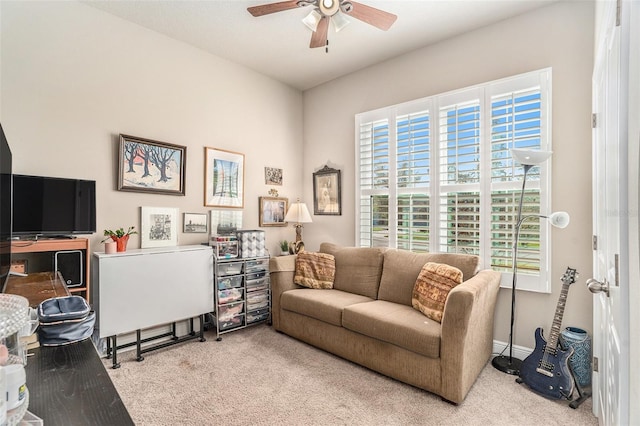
(546, 371)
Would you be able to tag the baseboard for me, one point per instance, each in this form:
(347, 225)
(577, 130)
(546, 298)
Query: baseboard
(519, 352)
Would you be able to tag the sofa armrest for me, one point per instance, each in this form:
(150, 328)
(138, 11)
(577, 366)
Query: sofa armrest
(467, 333)
(281, 271)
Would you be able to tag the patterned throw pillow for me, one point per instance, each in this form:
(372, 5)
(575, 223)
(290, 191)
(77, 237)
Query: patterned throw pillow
(315, 270)
(432, 288)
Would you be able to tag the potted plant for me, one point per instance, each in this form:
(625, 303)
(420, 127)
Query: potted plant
(119, 236)
(284, 247)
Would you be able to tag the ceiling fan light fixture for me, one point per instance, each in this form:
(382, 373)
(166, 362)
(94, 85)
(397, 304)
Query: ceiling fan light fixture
(339, 21)
(312, 20)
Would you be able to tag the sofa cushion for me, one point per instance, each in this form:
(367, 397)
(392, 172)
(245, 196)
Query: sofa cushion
(402, 267)
(324, 305)
(432, 288)
(358, 269)
(396, 324)
(315, 270)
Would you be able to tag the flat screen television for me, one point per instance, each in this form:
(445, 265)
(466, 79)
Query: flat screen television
(50, 206)
(5, 208)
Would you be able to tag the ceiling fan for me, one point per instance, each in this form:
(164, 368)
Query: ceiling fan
(325, 11)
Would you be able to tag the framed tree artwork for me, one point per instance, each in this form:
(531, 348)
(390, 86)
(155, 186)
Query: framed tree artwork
(223, 178)
(146, 165)
(326, 192)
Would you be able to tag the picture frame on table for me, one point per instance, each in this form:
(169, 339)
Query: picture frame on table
(223, 178)
(145, 165)
(273, 210)
(327, 197)
(158, 227)
(195, 223)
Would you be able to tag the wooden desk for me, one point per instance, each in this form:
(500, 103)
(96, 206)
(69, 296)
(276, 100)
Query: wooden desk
(37, 287)
(69, 385)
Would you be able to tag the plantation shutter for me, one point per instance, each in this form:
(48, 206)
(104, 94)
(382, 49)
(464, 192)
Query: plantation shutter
(413, 168)
(457, 189)
(374, 183)
(459, 201)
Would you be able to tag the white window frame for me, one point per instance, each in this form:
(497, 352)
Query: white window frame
(529, 282)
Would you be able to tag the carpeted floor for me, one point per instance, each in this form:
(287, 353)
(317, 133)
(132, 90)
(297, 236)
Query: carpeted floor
(257, 376)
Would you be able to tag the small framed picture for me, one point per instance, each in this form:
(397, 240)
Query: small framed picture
(225, 222)
(326, 192)
(195, 223)
(159, 227)
(223, 178)
(273, 210)
(272, 176)
(150, 166)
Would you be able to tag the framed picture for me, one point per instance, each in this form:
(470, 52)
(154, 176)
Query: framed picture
(272, 176)
(327, 192)
(223, 178)
(159, 227)
(273, 210)
(225, 222)
(151, 166)
(195, 223)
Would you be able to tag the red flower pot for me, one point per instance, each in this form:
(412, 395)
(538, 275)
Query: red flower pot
(121, 242)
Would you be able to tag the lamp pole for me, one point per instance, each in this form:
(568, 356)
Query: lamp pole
(512, 365)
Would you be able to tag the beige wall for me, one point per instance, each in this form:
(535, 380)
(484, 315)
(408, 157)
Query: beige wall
(558, 36)
(74, 78)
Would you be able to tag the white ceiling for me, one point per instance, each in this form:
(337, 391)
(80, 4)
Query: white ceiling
(277, 45)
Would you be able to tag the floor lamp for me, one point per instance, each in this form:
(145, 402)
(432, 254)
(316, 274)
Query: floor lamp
(528, 158)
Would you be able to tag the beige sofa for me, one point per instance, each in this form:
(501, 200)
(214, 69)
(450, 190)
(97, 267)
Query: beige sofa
(367, 317)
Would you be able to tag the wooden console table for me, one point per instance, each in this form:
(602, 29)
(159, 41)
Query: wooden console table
(69, 385)
(37, 287)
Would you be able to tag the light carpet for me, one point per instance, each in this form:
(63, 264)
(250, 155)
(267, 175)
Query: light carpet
(257, 376)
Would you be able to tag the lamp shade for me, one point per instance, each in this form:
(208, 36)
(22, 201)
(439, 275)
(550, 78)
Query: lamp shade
(559, 219)
(298, 213)
(530, 157)
(339, 21)
(312, 20)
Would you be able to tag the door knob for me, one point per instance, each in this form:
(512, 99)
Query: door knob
(596, 286)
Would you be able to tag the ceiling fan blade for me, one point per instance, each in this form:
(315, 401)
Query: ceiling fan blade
(376, 17)
(266, 9)
(319, 36)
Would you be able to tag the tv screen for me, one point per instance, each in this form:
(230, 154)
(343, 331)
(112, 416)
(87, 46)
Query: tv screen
(5, 208)
(53, 206)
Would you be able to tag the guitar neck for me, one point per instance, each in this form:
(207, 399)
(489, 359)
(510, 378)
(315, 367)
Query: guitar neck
(552, 343)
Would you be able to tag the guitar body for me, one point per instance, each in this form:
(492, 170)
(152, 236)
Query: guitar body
(546, 371)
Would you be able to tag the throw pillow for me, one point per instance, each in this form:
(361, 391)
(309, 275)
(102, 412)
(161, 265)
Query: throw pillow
(315, 270)
(432, 287)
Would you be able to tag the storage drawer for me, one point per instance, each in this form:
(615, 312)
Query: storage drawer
(229, 268)
(231, 322)
(256, 275)
(256, 265)
(230, 282)
(258, 311)
(253, 317)
(257, 300)
(230, 310)
(230, 295)
(259, 284)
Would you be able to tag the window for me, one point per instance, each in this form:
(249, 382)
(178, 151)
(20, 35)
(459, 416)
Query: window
(436, 174)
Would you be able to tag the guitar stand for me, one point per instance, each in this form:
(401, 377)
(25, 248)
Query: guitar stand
(583, 395)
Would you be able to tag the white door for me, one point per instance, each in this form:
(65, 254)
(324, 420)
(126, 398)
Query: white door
(611, 223)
